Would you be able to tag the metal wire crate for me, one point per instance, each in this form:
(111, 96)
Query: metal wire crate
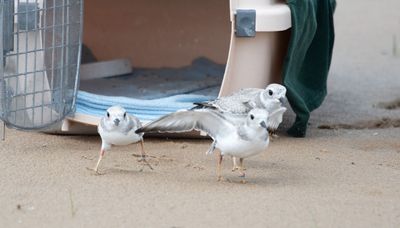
(41, 42)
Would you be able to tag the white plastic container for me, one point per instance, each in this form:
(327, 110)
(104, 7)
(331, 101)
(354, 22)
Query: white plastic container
(172, 33)
(256, 61)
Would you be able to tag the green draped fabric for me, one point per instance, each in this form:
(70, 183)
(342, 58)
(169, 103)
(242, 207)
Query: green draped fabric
(308, 58)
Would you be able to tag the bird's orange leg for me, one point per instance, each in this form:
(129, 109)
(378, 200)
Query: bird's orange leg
(241, 171)
(219, 167)
(102, 151)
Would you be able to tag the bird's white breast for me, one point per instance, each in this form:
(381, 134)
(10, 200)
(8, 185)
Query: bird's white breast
(118, 138)
(235, 146)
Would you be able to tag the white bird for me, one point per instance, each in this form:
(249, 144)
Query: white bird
(118, 128)
(248, 138)
(241, 102)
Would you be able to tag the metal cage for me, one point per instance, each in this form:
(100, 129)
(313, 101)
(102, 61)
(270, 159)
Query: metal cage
(40, 42)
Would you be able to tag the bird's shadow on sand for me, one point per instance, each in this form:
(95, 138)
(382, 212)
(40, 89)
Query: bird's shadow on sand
(261, 174)
(278, 174)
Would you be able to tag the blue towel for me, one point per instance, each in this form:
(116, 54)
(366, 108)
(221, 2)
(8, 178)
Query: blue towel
(152, 93)
(93, 104)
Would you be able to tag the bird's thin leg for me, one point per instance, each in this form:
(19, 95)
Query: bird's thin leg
(102, 151)
(241, 170)
(143, 159)
(219, 167)
(235, 166)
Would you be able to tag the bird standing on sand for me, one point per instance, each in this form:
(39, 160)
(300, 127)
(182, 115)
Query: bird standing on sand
(248, 138)
(241, 102)
(118, 128)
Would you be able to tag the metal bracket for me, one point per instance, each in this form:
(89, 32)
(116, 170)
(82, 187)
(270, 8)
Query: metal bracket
(245, 23)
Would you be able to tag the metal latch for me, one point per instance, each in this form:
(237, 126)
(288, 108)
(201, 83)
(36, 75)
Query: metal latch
(245, 23)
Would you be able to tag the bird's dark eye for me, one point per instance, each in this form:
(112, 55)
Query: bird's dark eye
(252, 117)
(124, 114)
(108, 114)
(270, 92)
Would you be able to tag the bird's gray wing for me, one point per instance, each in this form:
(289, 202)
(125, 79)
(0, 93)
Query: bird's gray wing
(209, 121)
(133, 124)
(247, 92)
(234, 106)
(136, 121)
(243, 134)
(250, 105)
(240, 102)
(275, 118)
(102, 125)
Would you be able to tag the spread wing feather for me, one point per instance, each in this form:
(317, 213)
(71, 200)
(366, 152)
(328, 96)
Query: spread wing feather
(209, 121)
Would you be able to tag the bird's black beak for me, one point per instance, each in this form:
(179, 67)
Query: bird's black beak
(282, 100)
(116, 122)
(264, 125)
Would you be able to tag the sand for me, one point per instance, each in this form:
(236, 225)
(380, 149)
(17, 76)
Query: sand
(334, 177)
(325, 180)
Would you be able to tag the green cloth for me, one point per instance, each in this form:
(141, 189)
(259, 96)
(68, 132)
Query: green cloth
(308, 58)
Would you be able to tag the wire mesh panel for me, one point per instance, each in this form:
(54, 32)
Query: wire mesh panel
(41, 41)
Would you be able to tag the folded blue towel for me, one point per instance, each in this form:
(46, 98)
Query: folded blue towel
(93, 104)
(152, 93)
